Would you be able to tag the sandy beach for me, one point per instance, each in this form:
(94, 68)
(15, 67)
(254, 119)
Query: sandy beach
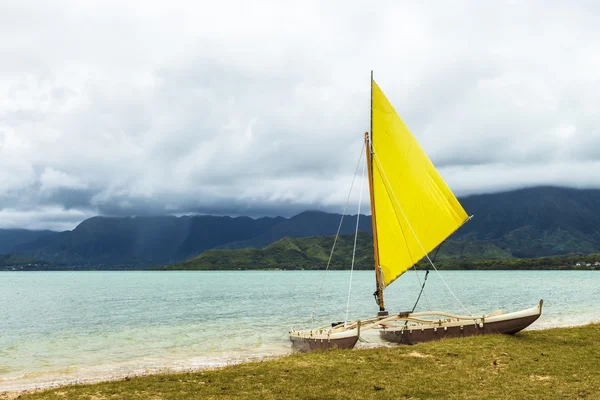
(550, 363)
(15, 394)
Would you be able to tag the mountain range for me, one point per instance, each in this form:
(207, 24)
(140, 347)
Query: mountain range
(154, 241)
(9, 238)
(533, 222)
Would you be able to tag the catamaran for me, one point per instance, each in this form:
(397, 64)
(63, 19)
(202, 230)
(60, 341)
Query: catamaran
(413, 212)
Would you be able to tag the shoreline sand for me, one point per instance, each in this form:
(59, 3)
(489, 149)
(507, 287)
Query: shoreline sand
(14, 394)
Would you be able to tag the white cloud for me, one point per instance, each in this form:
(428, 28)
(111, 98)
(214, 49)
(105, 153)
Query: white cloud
(259, 107)
(495, 177)
(55, 218)
(52, 180)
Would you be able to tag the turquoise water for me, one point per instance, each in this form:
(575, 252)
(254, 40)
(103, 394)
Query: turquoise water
(58, 327)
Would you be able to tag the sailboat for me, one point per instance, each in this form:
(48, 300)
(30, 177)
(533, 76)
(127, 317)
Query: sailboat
(413, 211)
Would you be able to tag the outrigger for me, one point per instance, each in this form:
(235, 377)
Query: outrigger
(413, 212)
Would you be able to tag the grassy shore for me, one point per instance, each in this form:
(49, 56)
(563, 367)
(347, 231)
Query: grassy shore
(561, 363)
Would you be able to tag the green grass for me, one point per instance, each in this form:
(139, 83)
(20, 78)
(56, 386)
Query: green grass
(561, 363)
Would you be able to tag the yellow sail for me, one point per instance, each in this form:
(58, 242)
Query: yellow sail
(415, 209)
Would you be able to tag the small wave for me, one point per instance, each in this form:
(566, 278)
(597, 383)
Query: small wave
(4, 369)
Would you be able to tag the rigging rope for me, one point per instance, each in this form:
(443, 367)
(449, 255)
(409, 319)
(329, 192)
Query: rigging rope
(422, 287)
(415, 235)
(312, 315)
(362, 179)
(421, 292)
(425, 280)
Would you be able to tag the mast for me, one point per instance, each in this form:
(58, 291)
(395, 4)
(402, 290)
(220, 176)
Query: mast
(369, 152)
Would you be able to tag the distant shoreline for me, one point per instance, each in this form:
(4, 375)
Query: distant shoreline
(162, 269)
(571, 262)
(166, 269)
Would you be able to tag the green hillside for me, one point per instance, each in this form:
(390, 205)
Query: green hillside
(569, 262)
(313, 253)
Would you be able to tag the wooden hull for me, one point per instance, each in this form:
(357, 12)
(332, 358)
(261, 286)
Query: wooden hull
(410, 328)
(306, 344)
(502, 323)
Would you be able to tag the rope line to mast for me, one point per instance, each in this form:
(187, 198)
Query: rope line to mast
(425, 280)
(312, 315)
(362, 179)
(422, 288)
(420, 293)
(415, 235)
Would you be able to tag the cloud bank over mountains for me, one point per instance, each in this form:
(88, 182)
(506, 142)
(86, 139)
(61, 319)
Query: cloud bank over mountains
(258, 108)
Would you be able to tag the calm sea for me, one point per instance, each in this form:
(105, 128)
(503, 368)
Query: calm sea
(58, 327)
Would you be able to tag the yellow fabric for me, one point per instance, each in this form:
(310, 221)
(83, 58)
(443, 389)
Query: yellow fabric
(432, 210)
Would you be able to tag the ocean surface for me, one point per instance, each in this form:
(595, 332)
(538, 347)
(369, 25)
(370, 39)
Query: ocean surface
(58, 327)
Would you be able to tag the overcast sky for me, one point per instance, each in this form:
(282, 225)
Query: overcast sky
(259, 107)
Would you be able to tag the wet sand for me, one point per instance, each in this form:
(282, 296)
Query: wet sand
(15, 394)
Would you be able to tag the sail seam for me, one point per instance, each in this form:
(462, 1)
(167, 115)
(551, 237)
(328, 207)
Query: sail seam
(401, 230)
(415, 235)
(407, 247)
